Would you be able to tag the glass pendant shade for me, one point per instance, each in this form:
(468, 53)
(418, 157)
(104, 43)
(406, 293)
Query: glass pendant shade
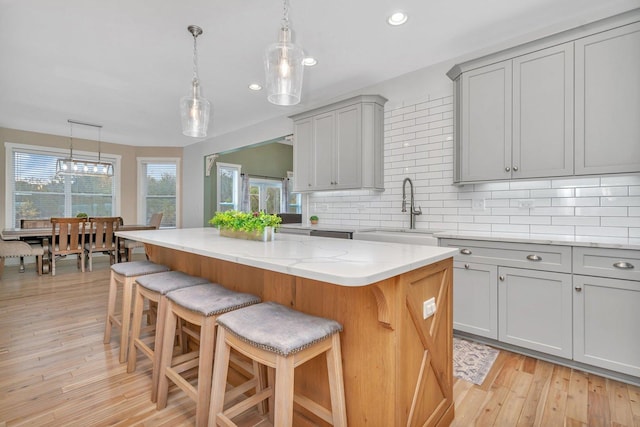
(194, 112)
(284, 69)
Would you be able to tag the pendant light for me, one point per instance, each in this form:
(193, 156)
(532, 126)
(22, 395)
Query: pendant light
(71, 166)
(194, 109)
(283, 66)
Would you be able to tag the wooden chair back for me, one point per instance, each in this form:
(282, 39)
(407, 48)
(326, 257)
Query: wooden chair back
(156, 219)
(102, 232)
(67, 235)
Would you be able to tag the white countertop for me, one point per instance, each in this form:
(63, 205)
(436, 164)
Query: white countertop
(338, 261)
(546, 239)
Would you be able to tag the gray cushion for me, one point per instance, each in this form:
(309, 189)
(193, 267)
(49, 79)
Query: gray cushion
(137, 268)
(211, 299)
(278, 329)
(168, 281)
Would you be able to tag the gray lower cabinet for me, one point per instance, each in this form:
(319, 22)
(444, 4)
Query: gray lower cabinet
(606, 308)
(580, 303)
(475, 299)
(535, 310)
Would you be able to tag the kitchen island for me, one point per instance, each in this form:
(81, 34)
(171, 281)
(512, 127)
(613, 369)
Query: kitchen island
(397, 364)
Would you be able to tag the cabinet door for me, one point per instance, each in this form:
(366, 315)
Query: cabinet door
(485, 146)
(302, 161)
(323, 141)
(543, 113)
(608, 101)
(475, 299)
(535, 310)
(606, 323)
(348, 148)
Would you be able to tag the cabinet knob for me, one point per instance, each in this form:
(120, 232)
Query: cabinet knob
(466, 266)
(465, 251)
(578, 288)
(501, 278)
(515, 169)
(309, 184)
(623, 265)
(534, 258)
(507, 169)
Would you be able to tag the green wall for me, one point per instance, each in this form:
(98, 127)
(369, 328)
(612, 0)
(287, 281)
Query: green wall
(271, 159)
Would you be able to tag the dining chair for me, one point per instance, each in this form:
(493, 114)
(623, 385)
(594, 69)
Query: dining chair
(102, 238)
(130, 245)
(17, 248)
(67, 238)
(34, 241)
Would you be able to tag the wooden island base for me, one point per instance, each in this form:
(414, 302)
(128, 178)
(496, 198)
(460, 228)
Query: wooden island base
(398, 367)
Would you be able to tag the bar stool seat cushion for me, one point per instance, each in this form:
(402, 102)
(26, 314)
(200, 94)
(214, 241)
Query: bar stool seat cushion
(168, 281)
(211, 299)
(138, 268)
(278, 329)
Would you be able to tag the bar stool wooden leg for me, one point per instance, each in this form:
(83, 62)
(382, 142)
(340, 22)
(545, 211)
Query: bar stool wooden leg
(111, 308)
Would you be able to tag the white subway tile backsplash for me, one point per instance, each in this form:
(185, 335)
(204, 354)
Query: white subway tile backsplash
(418, 143)
(602, 191)
(556, 192)
(602, 231)
(620, 180)
(621, 201)
(606, 211)
(576, 182)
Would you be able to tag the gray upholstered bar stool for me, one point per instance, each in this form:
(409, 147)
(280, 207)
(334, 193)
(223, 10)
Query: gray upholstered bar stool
(154, 288)
(125, 274)
(199, 305)
(281, 339)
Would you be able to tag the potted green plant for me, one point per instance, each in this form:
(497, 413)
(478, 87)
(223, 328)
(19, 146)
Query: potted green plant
(246, 225)
(313, 219)
(82, 215)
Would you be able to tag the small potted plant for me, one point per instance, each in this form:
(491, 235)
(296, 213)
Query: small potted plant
(313, 219)
(82, 215)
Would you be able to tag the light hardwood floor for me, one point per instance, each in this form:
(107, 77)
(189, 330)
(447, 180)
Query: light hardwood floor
(55, 370)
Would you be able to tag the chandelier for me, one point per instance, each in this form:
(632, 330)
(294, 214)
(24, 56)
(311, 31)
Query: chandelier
(71, 166)
(283, 64)
(194, 109)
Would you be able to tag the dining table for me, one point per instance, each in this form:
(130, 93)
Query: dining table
(44, 235)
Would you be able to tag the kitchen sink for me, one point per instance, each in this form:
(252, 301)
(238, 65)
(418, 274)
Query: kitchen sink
(415, 237)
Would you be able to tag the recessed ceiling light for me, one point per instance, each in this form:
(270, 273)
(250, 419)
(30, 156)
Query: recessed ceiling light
(397, 18)
(255, 86)
(309, 61)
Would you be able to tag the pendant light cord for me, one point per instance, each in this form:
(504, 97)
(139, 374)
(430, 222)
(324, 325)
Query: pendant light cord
(285, 15)
(195, 59)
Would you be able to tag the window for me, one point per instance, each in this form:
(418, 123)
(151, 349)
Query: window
(35, 191)
(158, 184)
(228, 186)
(265, 195)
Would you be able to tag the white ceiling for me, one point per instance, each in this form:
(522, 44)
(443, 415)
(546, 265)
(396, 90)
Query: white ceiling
(124, 64)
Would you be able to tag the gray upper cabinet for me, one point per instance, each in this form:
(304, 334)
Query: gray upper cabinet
(340, 146)
(485, 123)
(543, 113)
(608, 101)
(568, 104)
(516, 117)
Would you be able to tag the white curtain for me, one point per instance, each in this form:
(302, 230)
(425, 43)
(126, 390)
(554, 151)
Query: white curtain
(245, 205)
(284, 201)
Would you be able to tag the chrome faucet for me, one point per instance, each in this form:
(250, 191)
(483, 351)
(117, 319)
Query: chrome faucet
(412, 210)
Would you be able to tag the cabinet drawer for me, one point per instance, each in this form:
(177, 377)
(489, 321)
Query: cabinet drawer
(519, 255)
(615, 263)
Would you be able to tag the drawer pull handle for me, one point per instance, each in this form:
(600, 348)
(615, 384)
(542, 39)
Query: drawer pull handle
(534, 258)
(578, 288)
(502, 278)
(465, 251)
(623, 265)
(466, 266)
